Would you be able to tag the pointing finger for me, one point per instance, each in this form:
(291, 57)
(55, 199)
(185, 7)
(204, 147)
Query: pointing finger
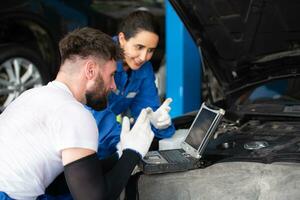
(166, 103)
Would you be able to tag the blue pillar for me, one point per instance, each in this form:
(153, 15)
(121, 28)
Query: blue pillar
(183, 81)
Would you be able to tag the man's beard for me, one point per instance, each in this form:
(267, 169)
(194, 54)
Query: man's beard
(97, 104)
(97, 99)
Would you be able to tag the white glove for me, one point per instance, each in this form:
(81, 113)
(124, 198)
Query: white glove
(119, 149)
(140, 137)
(118, 146)
(161, 119)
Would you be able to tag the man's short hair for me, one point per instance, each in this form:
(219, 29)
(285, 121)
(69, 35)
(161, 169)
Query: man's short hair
(86, 42)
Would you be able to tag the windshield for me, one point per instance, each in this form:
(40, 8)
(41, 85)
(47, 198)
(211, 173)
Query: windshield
(284, 91)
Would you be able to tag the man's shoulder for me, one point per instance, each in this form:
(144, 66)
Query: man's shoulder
(58, 96)
(57, 101)
(72, 109)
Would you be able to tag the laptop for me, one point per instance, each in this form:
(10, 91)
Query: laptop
(192, 148)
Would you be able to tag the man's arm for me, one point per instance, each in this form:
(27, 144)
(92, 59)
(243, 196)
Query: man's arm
(87, 180)
(84, 171)
(59, 185)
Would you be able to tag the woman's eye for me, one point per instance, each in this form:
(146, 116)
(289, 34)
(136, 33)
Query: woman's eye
(151, 50)
(139, 47)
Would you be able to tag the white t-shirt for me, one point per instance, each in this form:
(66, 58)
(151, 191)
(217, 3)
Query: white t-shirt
(33, 131)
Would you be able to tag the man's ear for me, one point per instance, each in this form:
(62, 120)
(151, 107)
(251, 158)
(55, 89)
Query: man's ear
(122, 39)
(90, 69)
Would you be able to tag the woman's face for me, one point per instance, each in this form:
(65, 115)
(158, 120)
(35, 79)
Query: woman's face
(138, 49)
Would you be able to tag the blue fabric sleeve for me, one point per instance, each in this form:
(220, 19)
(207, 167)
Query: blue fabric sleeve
(109, 132)
(4, 196)
(109, 135)
(164, 133)
(148, 97)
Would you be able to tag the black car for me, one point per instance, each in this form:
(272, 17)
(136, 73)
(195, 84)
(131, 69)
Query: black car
(251, 54)
(30, 31)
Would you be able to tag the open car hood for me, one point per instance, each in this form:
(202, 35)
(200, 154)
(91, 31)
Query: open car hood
(244, 42)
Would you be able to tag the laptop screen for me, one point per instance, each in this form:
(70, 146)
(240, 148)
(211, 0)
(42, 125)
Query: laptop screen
(199, 128)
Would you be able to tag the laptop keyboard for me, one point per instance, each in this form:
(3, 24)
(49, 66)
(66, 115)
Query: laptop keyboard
(174, 156)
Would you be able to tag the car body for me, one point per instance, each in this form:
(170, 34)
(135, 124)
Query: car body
(251, 54)
(30, 31)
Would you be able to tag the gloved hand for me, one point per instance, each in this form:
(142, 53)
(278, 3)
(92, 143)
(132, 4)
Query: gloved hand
(118, 146)
(161, 119)
(119, 149)
(140, 137)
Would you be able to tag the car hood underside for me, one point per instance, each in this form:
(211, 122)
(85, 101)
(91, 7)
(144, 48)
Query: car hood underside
(244, 42)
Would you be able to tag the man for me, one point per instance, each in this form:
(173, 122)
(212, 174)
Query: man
(47, 130)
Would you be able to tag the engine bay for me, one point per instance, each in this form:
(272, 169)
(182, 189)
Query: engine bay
(257, 141)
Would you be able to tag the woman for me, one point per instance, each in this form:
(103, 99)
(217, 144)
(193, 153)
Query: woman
(138, 37)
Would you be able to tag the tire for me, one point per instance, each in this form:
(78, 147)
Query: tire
(20, 69)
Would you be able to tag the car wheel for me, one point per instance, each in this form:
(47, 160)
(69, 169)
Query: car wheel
(20, 69)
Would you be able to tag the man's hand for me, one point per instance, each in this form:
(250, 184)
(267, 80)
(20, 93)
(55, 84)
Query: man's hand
(139, 138)
(119, 149)
(161, 119)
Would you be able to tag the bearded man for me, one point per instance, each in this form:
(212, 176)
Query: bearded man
(47, 130)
